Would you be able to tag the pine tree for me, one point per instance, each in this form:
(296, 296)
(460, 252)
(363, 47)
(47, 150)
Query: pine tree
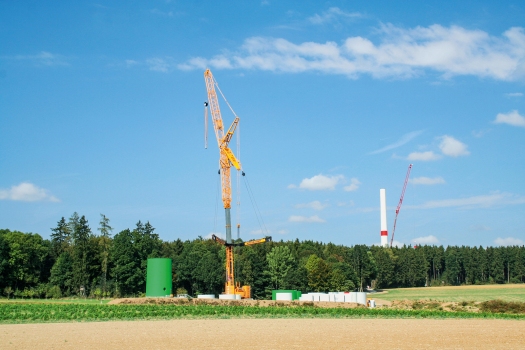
(81, 252)
(105, 242)
(60, 238)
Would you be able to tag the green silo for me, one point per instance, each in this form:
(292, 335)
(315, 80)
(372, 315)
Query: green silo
(158, 277)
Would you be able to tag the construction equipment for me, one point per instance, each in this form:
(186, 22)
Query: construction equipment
(244, 291)
(399, 204)
(226, 160)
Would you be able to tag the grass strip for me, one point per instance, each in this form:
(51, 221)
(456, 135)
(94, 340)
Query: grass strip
(37, 313)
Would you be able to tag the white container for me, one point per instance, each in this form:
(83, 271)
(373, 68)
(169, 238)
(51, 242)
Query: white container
(306, 297)
(361, 298)
(206, 296)
(340, 298)
(351, 297)
(283, 296)
(227, 296)
(315, 296)
(372, 303)
(324, 297)
(237, 297)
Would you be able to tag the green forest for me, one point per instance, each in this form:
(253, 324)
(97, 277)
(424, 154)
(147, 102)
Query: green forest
(96, 263)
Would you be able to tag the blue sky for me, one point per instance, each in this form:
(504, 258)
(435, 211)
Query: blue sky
(101, 111)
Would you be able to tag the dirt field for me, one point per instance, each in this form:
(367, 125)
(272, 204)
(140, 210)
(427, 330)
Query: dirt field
(244, 302)
(269, 334)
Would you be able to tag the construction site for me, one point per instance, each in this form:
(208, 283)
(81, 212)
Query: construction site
(159, 270)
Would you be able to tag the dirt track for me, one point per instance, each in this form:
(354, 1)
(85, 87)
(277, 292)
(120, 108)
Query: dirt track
(269, 334)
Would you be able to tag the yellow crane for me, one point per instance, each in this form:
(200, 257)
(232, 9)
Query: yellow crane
(226, 160)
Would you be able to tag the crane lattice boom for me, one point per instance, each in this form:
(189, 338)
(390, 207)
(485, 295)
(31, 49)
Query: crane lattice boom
(226, 160)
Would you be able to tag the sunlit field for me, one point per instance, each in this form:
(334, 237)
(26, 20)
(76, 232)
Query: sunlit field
(506, 292)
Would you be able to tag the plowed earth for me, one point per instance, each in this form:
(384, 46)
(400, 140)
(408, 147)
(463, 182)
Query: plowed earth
(269, 334)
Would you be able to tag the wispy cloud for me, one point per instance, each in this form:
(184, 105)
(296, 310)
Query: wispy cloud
(480, 133)
(316, 205)
(451, 51)
(512, 118)
(403, 140)
(161, 13)
(162, 65)
(298, 218)
(426, 240)
(354, 185)
(332, 14)
(43, 58)
(319, 182)
(483, 201)
(427, 180)
(514, 94)
(480, 228)
(27, 192)
(509, 241)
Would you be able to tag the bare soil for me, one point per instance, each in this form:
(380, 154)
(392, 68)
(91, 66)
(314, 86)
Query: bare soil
(244, 302)
(269, 334)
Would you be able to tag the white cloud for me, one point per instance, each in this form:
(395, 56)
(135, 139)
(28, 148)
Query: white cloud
(453, 148)
(480, 133)
(332, 14)
(403, 140)
(480, 228)
(509, 241)
(423, 156)
(514, 94)
(426, 240)
(512, 118)
(298, 218)
(316, 205)
(161, 13)
(320, 182)
(354, 185)
(43, 58)
(130, 63)
(483, 201)
(27, 192)
(159, 65)
(427, 180)
(404, 53)
(282, 232)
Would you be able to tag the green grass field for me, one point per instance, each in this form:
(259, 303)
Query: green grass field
(42, 312)
(506, 292)
(54, 301)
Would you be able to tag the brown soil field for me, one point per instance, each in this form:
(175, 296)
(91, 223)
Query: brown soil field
(244, 302)
(269, 334)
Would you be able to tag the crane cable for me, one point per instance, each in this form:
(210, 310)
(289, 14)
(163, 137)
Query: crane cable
(224, 97)
(216, 203)
(255, 207)
(239, 182)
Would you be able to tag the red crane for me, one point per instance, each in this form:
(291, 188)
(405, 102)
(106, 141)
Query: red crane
(400, 202)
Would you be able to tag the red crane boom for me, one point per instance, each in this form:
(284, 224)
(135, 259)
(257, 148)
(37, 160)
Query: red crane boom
(399, 204)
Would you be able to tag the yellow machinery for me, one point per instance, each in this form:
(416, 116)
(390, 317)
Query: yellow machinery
(226, 160)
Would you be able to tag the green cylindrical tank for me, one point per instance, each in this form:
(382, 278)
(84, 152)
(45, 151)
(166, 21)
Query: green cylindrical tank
(158, 277)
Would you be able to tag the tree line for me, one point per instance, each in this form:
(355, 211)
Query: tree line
(79, 261)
